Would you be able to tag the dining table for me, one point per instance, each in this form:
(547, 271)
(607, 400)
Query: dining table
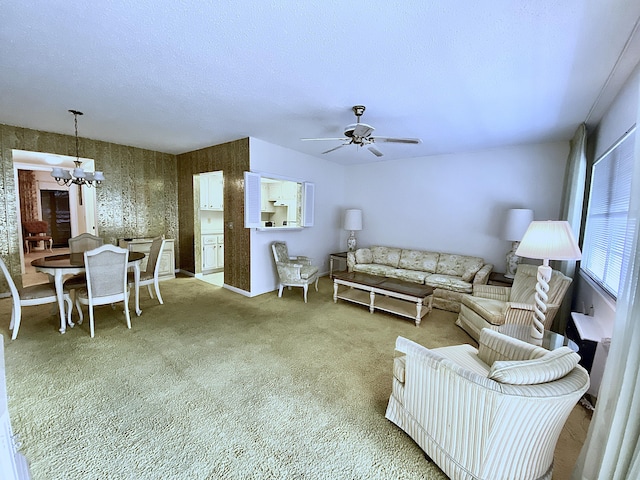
(72, 264)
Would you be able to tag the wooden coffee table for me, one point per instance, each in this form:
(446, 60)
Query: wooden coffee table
(394, 296)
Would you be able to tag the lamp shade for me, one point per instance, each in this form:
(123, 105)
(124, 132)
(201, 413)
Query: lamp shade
(549, 240)
(516, 223)
(353, 219)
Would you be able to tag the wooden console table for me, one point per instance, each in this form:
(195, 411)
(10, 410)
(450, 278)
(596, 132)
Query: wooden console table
(394, 296)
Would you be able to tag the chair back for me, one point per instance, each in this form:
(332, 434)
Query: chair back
(35, 227)
(153, 263)
(106, 269)
(524, 285)
(12, 286)
(83, 242)
(280, 252)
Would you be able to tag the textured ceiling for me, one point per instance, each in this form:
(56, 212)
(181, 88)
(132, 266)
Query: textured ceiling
(178, 76)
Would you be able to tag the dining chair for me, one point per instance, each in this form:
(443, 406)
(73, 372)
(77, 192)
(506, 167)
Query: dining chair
(36, 231)
(150, 275)
(40, 294)
(79, 244)
(106, 270)
(83, 242)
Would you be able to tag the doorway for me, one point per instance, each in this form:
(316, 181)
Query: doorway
(55, 211)
(208, 242)
(70, 210)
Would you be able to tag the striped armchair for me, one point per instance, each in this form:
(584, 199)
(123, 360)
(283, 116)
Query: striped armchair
(492, 413)
(491, 306)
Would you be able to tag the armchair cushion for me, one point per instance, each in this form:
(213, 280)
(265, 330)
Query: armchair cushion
(552, 366)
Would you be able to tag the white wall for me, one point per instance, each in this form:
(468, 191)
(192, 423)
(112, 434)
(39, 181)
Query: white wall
(316, 242)
(456, 203)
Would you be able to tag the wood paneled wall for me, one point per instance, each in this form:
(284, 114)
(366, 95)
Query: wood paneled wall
(138, 198)
(233, 159)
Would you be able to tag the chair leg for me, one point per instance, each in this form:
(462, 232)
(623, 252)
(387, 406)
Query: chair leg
(149, 290)
(316, 284)
(79, 308)
(16, 314)
(91, 327)
(26, 244)
(305, 287)
(126, 311)
(280, 290)
(157, 285)
(67, 299)
(51, 245)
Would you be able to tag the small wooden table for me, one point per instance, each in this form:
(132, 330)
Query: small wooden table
(394, 296)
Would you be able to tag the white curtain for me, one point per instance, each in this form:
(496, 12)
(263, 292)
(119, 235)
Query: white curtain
(571, 211)
(612, 448)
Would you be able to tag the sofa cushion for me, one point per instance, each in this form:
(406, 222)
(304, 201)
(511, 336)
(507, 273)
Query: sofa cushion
(552, 366)
(386, 256)
(373, 269)
(458, 265)
(471, 266)
(448, 282)
(419, 260)
(364, 255)
(408, 275)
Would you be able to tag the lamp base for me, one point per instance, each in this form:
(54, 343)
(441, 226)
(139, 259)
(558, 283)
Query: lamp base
(512, 261)
(351, 242)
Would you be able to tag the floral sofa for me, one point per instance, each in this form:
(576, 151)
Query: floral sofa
(449, 274)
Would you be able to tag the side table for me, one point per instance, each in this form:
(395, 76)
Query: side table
(498, 278)
(340, 256)
(550, 340)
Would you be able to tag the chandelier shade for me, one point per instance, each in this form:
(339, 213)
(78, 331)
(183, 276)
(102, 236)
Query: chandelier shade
(78, 176)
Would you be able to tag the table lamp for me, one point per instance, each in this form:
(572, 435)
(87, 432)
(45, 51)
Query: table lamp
(517, 222)
(353, 223)
(546, 240)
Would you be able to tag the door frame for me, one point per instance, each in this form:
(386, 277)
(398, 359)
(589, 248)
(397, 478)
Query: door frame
(89, 215)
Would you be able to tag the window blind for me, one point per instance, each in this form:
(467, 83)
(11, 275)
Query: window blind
(603, 256)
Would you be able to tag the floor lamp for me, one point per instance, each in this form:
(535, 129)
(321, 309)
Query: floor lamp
(546, 240)
(353, 223)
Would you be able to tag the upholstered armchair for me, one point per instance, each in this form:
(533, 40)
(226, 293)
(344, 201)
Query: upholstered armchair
(293, 271)
(491, 306)
(492, 413)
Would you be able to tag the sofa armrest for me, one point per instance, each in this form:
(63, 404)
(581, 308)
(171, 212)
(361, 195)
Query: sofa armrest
(482, 276)
(351, 261)
(494, 346)
(494, 292)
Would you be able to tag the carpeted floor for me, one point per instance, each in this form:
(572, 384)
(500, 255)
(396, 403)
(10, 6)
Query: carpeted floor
(216, 385)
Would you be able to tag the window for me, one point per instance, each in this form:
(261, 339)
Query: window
(277, 202)
(606, 224)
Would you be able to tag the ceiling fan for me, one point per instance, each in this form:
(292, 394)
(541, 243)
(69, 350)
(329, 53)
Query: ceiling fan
(360, 134)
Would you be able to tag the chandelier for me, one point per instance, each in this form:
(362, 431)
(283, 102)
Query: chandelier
(78, 176)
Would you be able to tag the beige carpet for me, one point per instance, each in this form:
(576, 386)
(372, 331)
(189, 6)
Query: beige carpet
(216, 385)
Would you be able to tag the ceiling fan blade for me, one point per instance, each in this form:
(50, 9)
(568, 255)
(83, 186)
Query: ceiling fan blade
(334, 148)
(396, 140)
(375, 151)
(342, 139)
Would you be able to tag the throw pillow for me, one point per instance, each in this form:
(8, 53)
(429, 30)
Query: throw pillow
(364, 255)
(552, 366)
